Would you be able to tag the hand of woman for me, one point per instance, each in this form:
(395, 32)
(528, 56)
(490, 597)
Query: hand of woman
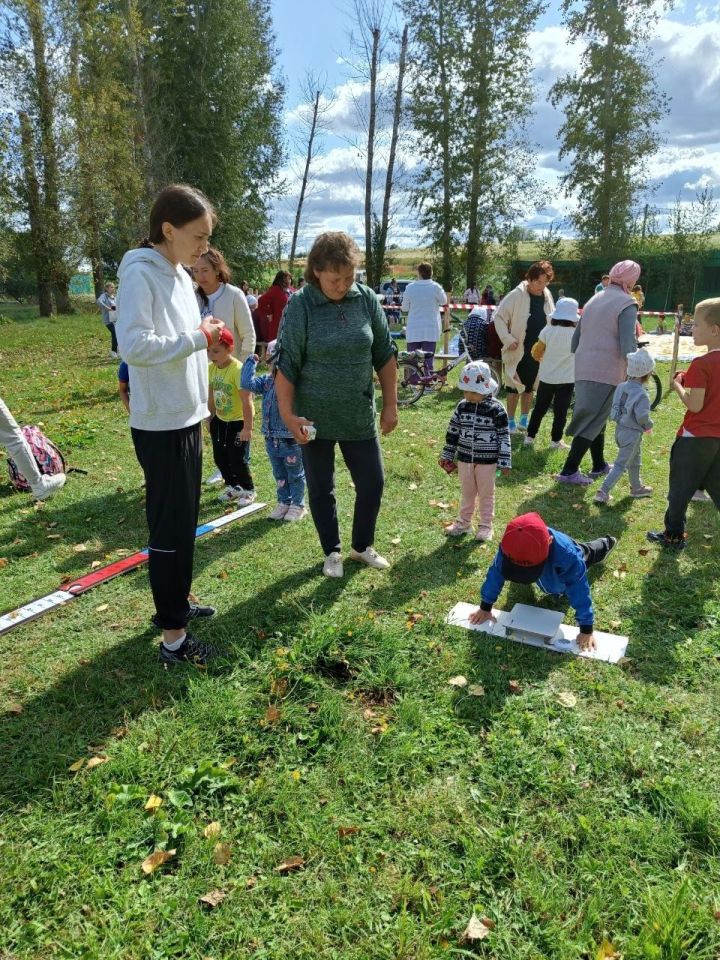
(295, 426)
(211, 327)
(513, 345)
(388, 420)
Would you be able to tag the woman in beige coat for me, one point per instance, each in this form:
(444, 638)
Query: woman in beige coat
(217, 297)
(519, 318)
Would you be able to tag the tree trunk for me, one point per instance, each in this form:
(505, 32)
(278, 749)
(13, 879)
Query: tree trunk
(61, 289)
(303, 186)
(605, 237)
(372, 111)
(397, 116)
(445, 132)
(34, 209)
(482, 47)
(142, 137)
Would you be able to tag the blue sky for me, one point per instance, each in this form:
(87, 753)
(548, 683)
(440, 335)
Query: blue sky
(687, 40)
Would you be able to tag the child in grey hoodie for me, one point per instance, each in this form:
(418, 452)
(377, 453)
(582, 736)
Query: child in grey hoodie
(631, 412)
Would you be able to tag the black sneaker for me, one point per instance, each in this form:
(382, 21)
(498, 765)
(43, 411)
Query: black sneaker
(190, 651)
(672, 543)
(200, 613)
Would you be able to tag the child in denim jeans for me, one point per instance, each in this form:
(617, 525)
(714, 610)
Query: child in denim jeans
(282, 449)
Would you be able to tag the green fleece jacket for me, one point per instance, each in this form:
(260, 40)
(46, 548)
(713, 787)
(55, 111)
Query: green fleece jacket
(328, 352)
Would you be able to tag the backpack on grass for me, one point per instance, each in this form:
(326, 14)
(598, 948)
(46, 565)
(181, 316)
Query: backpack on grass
(47, 456)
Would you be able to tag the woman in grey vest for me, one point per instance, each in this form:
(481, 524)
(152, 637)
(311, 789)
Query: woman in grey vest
(602, 340)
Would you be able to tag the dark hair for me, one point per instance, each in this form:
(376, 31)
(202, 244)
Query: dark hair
(332, 250)
(541, 268)
(177, 204)
(562, 323)
(219, 264)
(425, 270)
(279, 278)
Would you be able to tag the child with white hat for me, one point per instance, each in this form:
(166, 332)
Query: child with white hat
(631, 413)
(479, 439)
(553, 350)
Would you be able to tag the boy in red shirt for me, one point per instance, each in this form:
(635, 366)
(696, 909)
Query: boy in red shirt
(695, 456)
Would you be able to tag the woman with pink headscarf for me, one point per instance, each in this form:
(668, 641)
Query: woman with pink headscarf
(601, 342)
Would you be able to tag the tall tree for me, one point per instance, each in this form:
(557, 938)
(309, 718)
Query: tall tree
(612, 107)
(313, 118)
(692, 226)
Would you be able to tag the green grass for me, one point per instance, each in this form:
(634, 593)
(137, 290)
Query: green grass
(411, 804)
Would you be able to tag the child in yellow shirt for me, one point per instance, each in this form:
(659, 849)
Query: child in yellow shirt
(231, 422)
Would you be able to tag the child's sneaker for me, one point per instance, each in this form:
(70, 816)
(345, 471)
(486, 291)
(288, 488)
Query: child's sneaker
(333, 566)
(49, 486)
(672, 543)
(559, 445)
(371, 557)
(214, 478)
(602, 497)
(528, 441)
(512, 426)
(190, 651)
(457, 528)
(603, 472)
(228, 495)
(701, 497)
(577, 479)
(279, 512)
(523, 425)
(295, 513)
(484, 534)
(244, 498)
(642, 491)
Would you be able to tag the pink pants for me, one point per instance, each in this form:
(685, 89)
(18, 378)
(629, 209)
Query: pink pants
(477, 482)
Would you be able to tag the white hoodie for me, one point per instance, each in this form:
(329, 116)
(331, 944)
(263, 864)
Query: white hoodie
(158, 337)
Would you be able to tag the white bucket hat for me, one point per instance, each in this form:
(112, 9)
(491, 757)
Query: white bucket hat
(639, 363)
(566, 309)
(252, 301)
(478, 311)
(477, 378)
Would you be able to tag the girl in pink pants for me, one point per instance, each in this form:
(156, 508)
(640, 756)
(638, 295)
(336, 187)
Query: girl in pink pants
(478, 439)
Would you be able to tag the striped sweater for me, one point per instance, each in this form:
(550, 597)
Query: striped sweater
(478, 433)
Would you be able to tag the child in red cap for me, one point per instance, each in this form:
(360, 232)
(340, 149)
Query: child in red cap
(532, 552)
(231, 422)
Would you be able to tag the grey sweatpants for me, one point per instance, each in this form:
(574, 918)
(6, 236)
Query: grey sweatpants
(14, 442)
(628, 458)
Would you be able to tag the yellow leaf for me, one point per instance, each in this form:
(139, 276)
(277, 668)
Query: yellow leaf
(78, 765)
(94, 565)
(157, 859)
(154, 802)
(3, 562)
(80, 548)
(96, 762)
(476, 690)
(395, 540)
(213, 899)
(223, 575)
(476, 930)
(566, 699)
(102, 608)
(292, 863)
(458, 681)
(14, 708)
(222, 854)
(413, 486)
(295, 775)
(212, 830)
(606, 951)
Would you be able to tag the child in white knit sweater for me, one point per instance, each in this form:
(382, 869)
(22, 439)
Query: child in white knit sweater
(557, 372)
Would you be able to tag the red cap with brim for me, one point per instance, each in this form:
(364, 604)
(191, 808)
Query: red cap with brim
(525, 547)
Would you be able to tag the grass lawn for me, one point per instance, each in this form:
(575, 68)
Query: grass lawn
(577, 827)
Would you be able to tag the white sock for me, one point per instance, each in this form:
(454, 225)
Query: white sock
(176, 645)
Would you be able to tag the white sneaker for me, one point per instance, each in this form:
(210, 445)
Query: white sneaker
(279, 512)
(214, 478)
(244, 498)
(370, 557)
(50, 486)
(559, 445)
(333, 566)
(228, 495)
(484, 534)
(295, 513)
(701, 497)
(114, 355)
(528, 441)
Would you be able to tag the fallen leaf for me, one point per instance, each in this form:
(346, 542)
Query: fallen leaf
(395, 540)
(213, 899)
(94, 565)
(272, 715)
(514, 686)
(96, 762)
(250, 883)
(476, 930)
(157, 859)
(566, 699)
(615, 624)
(644, 552)
(212, 830)
(476, 690)
(223, 575)
(222, 854)
(3, 562)
(14, 708)
(412, 486)
(458, 681)
(102, 608)
(78, 765)
(154, 802)
(279, 687)
(707, 536)
(292, 863)
(606, 951)
(80, 548)
(347, 831)
(54, 536)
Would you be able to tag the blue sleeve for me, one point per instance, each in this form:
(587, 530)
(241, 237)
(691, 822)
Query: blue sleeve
(123, 373)
(248, 380)
(573, 574)
(494, 581)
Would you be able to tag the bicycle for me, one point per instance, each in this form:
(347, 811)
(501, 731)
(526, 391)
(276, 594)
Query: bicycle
(654, 383)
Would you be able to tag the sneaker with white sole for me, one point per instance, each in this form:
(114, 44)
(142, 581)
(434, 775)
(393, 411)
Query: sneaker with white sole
(484, 534)
(559, 445)
(244, 498)
(457, 528)
(602, 497)
(227, 496)
(49, 486)
(642, 491)
(528, 441)
(295, 512)
(333, 566)
(190, 651)
(701, 497)
(279, 512)
(214, 478)
(512, 425)
(371, 558)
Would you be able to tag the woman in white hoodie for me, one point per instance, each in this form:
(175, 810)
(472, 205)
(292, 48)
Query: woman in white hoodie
(164, 341)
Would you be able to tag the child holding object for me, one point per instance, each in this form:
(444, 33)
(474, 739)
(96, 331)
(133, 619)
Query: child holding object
(695, 455)
(532, 552)
(631, 412)
(553, 349)
(231, 422)
(282, 448)
(478, 437)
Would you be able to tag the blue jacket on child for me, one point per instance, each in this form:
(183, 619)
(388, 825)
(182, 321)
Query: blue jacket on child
(564, 572)
(273, 425)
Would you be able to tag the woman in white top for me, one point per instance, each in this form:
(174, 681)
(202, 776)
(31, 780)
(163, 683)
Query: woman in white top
(422, 301)
(217, 297)
(472, 295)
(164, 342)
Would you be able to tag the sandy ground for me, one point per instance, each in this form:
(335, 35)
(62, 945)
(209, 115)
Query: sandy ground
(661, 346)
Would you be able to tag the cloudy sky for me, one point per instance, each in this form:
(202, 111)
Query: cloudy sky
(686, 42)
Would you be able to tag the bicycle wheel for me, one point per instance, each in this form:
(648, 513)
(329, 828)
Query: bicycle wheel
(407, 391)
(655, 390)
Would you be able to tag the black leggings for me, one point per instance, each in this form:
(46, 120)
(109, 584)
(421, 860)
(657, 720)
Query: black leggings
(557, 394)
(579, 448)
(364, 461)
(694, 465)
(113, 337)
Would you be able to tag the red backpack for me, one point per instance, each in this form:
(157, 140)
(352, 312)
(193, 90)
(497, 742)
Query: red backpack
(47, 456)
